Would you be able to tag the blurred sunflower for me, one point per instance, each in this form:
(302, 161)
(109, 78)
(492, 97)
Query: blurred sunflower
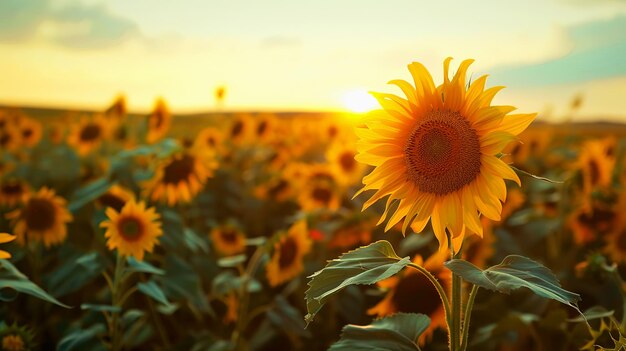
(88, 134)
(479, 250)
(341, 155)
(596, 165)
(31, 132)
(319, 195)
(352, 233)
(289, 250)
(17, 338)
(116, 197)
(532, 143)
(264, 127)
(209, 139)
(10, 138)
(5, 238)
(43, 217)
(118, 108)
(587, 224)
(277, 189)
(228, 239)
(132, 231)
(158, 121)
(410, 291)
(436, 153)
(12, 192)
(240, 129)
(515, 200)
(180, 178)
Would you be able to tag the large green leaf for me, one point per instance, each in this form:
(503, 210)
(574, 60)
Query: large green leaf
(398, 332)
(14, 280)
(88, 193)
(513, 273)
(151, 289)
(83, 339)
(365, 265)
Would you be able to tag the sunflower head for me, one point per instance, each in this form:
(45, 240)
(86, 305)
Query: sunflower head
(596, 163)
(264, 127)
(12, 192)
(319, 190)
(587, 224)
(289, 250)
(30, 132)
(228, 239)
(158, 121)
(88, 134)
(209, 140)
(132, 231)
(435, 153)
(118, 108)
(116, 197)
(240, 129)
(5, 238)
(17, 338)
(42, 218)
(180, 178)
(277, 189)
(341, 155)
(10, 138)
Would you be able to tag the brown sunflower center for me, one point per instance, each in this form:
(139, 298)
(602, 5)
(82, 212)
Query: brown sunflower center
(113, 201)
(347, 161)
(442, 153)
(261, 128)
(5, 139)
(288, 253)
(415, 294)
(39, 214)
(210, 141)
(90, 132)
(594, 171)
(229, 236)
(130, 228)
(237, 129)
(179, 170)
(27, 133)
(600, 220)
(322, 195)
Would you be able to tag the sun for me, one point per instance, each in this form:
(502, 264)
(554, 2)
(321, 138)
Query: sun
(359, 101)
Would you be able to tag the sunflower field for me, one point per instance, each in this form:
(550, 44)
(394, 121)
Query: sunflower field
(390, 230)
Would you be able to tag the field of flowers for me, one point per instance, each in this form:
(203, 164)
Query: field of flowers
(279, 231)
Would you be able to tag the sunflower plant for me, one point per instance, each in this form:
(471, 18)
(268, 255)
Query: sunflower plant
(437, 158)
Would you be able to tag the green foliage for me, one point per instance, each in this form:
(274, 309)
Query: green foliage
(513, 273)
(365, 265)
(398, 332)
(11, 279)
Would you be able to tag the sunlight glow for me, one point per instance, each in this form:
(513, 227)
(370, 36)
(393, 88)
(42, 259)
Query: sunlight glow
(359, 101)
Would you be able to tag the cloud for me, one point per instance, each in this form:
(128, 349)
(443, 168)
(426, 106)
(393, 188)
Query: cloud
(74, 25)
(597, 51)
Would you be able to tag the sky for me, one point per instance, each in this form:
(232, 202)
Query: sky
(308, 55)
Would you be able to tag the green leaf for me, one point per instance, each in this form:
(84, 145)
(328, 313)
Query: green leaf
(595, 312)
(365, 265)
(231, 261)
(398, 332)
(12, 279)
(154, 291)
(227, 281)
(287, 318)
(100, 308)
(88, 193)
(83, 339)
(513, 273)
(75, 272)
(142, 266)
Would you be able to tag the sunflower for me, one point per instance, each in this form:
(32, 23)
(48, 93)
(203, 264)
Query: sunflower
(209, 139)
(12, 192)
(228, 239)
(352, 233)
(596, 163)
(341, 158)
(10, 138)
(88, 134)
(17, 338)
(180, 178)
(43, 217)
(158, 121)
(277, 189)
(514, 201)
(30, 131)
(479, 250)
(5, 238)
(286, 262)
(532, 143)
(410, 291)
(319, 195)
(264, 127)
(118, 107)
(133, 230)
(436, 153)
(240, 129)
(587, 225)
(116, 197)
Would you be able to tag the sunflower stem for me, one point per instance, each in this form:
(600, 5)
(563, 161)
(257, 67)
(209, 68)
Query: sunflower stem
(116, 294)
(457, 286)
(244, 295)
(440, 290)
(466, 317)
